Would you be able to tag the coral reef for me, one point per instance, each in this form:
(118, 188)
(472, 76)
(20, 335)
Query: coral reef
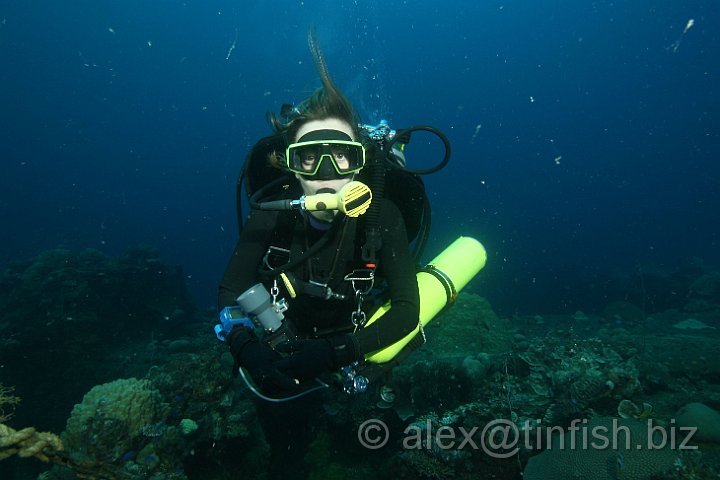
(701, 417)
(60, 290)
(593, 461)
(628, 409)
(433, 385)
(546, 380)
(114, 418)
(470, 326)
(692, 465)
(28, 443)
(421, 464)
(134, 429)
(570, 375)
(7, 402)
(178, 415)
(78, 308)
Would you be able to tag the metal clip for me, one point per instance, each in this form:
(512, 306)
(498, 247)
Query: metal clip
(274, 253)
(275, 291)
(358, 318)
(362, 275)
(281, 306)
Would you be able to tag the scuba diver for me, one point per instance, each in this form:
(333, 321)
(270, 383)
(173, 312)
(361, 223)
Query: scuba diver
(323, 152)
(324, 284)
(319, 259)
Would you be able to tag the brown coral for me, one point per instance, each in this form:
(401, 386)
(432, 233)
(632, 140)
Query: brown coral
(28, 443)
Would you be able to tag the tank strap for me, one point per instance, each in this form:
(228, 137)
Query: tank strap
(450, 290)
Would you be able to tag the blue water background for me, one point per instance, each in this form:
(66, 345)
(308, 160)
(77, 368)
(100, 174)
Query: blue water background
(583, 142)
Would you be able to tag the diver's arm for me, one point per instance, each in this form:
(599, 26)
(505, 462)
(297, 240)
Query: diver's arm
(241, 272)
(399, 270)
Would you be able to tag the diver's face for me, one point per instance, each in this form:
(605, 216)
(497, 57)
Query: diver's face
(311, 187)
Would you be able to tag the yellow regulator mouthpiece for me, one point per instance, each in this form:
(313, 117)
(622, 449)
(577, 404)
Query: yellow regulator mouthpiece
(353, 200)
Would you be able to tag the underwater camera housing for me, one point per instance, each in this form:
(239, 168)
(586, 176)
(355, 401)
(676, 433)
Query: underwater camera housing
(256, 308)
(257, 304)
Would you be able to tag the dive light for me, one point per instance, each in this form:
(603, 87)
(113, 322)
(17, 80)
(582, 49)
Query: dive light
(353, 200)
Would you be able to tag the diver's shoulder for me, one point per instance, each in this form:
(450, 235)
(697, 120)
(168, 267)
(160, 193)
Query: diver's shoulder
(390, 211)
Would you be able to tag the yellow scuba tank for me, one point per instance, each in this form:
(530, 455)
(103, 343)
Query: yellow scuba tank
(439, 283)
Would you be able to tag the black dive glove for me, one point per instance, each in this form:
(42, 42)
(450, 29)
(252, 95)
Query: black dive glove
(309, 358)
(257, 358)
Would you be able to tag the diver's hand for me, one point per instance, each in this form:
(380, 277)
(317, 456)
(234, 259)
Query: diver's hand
(257, 358)
(309, 358)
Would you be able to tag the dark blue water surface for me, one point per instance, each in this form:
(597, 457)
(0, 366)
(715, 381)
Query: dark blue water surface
(585, 134)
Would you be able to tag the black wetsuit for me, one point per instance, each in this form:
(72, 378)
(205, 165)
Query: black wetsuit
(288, 426)
(314, 316)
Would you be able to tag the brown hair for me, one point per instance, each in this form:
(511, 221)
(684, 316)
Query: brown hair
(326, 102)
